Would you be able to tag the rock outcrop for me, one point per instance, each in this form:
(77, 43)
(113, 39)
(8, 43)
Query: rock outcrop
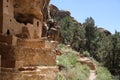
(104, 31)
(25, 54)
(63, 13)
(55, 12)
(26, 10)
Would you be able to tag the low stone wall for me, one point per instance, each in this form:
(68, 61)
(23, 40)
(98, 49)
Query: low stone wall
(19, 56)
(51, 44)
(6, 39)
(31, 43)
(40, 73)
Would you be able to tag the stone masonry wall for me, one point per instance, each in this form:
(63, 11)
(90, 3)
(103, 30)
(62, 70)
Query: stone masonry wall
(31, 43)
(16, 57)
(40, 73)
(6, 39)
(1, 15)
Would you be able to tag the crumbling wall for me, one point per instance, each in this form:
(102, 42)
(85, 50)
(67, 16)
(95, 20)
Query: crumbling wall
(31, 43)
(11, 40)
(15, 57)
(38, 28)
(39, 73)
(9, 23)
(1, 15)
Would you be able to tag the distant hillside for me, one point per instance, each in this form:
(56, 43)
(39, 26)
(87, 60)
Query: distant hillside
(99, 42)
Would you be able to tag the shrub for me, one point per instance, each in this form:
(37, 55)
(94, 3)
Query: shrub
(72, 70)
(103, 74)
(86, 54)
(67, 60)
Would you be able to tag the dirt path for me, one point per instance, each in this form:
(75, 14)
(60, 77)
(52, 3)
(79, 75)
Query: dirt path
(86, 60)
(92, 75)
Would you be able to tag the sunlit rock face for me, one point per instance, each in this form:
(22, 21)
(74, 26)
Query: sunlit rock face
(55, 12)
(104, 31)
(26, 10)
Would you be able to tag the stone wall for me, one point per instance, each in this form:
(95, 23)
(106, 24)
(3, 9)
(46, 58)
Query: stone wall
(39, 73)
(11, 40)
(19, 57)
(1, 15)
(0, 64)
(31, 43)
(6, 39)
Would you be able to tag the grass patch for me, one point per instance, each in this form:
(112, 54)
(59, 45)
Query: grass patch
(103, 74)
(72, 70)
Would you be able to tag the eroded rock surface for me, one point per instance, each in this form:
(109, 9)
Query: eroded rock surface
(25, 55)
(55, 12)
(26, 10)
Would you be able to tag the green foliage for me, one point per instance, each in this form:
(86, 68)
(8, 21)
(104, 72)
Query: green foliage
(116, 47)
(73, 33)
(60, 77)
(90, 34)
(79, 40)
(72, 69)
(86, 37)
(66, 30)
(79, 72)
(115, 56)
(103, 47)
(103, 74)
(86, 53)
(67, 60)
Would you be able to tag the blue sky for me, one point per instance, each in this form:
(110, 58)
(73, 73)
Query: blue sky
(106, 13)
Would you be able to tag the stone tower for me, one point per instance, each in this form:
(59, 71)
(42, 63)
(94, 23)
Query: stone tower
(6, 15)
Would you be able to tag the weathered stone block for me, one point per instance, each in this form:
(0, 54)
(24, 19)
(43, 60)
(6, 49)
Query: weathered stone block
(15, 57)
(40, 73)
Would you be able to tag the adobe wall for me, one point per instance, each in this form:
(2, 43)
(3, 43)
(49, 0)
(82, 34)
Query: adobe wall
(31, 30)
(9, 23)
(16, 57)
(31, 43)
(0, 63)
(39, 73)
(38, 28)
(6, 39)
(11, 40)
(1, 15)
(8, 7)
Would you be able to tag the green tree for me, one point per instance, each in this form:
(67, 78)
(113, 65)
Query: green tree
(66, 30)
(103, 47)
(90, 34)
(115, 56)
(79, 40)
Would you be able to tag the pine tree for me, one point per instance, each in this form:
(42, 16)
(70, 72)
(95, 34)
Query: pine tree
(115, 56)
(90, 34)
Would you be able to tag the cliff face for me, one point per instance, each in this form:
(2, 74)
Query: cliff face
(55, 12)
(104, 31)
(26, 10)
(26, 55)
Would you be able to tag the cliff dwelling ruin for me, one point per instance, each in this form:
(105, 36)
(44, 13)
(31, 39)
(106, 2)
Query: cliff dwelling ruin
(25, 55)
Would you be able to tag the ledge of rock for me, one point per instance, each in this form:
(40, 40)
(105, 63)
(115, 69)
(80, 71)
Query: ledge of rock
(26, 10)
